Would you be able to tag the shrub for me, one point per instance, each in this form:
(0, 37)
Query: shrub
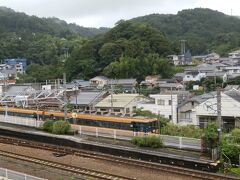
(48, 125)
(211, 135)
(236, 132)
(232, 151)
(61, 127)
(190, 131)
(236, 171)
(148, 141)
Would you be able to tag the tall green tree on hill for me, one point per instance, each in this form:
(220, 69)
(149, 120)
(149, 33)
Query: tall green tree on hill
(121, 52)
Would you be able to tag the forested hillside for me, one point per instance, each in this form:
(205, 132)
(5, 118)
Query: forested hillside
(205, 30)
(12, 21)
(132, 49)
(128, 50)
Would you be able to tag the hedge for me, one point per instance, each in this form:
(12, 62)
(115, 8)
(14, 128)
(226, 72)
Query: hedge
(148, 141)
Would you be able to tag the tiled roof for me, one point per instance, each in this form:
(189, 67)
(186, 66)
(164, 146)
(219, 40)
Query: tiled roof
(118, 100)
(235, 94)
(122, 81)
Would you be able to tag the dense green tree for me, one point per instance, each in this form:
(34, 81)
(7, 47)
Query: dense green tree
(204, 29)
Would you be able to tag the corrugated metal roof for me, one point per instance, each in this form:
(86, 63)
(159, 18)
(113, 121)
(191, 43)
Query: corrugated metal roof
(15, 90)
(118, 100)
(122, 81)
(86, 98)
(235, 94)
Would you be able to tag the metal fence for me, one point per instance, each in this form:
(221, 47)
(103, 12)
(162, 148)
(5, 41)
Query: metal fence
(20, 121)
(9, 174)
(169, 141)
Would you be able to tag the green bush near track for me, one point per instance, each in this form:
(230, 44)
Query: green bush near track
(148, 141)
(56, 127)
(48, 126)
(61, 127)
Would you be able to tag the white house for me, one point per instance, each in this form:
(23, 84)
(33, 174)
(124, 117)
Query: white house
(99, 81)
(232, 70)
(230, 106)
(119, 104)
(165, 104)
(193, 76)
(235, 54)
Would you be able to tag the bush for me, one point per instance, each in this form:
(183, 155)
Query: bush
(211, 135)
(61, 127)
(235, 171)
(236, 132)
(48, 125)
(190, 131)
(148, 141)
(232, 151)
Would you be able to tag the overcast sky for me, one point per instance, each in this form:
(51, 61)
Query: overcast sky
(105, 13)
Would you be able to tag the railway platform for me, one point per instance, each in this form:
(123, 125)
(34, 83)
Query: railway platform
(187, 159)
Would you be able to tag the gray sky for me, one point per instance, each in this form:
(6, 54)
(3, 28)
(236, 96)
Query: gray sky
(97, 13)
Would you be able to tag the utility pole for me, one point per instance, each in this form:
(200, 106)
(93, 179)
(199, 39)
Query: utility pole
(171, 105)
(65, 96)
(111, 97)
(219, 120)
(219, 110)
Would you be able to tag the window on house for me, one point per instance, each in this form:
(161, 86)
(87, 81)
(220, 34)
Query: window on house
(170, 102)
(192, 103)
(170, 117)
(160, 102)
(186, 115)
(116, 110)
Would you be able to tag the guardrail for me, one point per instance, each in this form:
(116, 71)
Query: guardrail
(9, 174)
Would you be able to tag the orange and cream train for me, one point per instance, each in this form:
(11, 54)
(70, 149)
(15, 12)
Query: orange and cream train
(125, 123)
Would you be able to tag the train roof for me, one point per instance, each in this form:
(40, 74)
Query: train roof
(81, 116)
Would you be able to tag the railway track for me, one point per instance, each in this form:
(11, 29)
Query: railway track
(89, 173)
(104, 157)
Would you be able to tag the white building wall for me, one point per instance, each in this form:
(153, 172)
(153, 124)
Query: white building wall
(189, 77)
(165, 110)
(229, 107)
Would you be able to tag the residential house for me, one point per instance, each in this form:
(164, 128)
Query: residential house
(85, 101)
(170, 87)
(165, 104)
(99, 81)
(196, 73)
(230, 105)
(183, 59)
(7, 72)
(81, 84)
(127, 85)
(185, 109)
(193, 76)
(174, 59)
(235, 55)
(151, 81)
(232, 70)
(119, 104)
(208, 58)
(17, 61)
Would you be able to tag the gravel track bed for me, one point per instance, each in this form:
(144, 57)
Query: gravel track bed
(95, 164)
